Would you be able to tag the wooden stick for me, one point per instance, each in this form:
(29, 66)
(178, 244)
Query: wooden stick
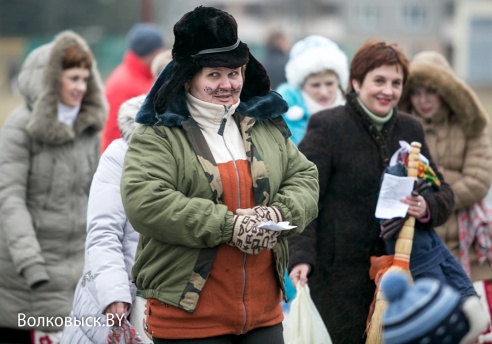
(401, 259)
(403, 246)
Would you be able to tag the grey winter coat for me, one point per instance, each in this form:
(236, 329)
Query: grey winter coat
(46, 169)
(111, 241)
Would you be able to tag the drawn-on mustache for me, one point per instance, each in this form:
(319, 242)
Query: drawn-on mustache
(223, 91)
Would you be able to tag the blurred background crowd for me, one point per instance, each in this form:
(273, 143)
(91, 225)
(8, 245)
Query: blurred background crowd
(280, 34)
(459, 29)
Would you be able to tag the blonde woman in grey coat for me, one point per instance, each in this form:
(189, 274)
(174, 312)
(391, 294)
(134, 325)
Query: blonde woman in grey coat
(49, 152)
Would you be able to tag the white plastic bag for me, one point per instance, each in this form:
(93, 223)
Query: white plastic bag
(304, 325)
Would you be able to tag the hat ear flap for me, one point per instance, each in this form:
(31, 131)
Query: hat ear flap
(169, 88)
(257, 82)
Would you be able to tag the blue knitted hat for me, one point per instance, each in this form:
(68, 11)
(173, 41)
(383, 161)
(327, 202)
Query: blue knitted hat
(144, 38)
(427, 312)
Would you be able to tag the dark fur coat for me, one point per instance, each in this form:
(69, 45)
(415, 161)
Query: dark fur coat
(351, 154)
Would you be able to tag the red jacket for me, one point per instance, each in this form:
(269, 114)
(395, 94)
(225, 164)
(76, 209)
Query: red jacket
(130, 79)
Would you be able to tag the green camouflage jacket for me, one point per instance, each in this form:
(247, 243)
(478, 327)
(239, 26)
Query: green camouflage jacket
(172, 193)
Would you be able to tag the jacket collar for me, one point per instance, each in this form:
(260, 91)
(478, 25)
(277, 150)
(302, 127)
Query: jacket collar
(379, 137)
(352, 101)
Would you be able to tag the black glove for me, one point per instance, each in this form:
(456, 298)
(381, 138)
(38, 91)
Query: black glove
(420, 186)
(391, 227)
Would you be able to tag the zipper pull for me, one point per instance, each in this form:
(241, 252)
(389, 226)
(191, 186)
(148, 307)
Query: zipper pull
(224, 120)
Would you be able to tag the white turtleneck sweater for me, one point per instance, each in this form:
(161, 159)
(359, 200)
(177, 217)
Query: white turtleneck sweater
(67, 114)
(226, 147)
(312, 106)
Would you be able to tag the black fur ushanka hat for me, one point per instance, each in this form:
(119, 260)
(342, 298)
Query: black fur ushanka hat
(207, 37)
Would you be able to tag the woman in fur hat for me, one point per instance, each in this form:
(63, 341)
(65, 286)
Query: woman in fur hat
(50, 150)
(212, 162)
(317, 74)
(455, 126)
(352, 145)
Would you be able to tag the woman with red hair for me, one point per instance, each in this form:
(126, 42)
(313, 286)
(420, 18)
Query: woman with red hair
(351, 146)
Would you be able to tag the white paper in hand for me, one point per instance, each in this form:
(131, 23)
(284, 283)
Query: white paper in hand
(272, 226)
(393, 189)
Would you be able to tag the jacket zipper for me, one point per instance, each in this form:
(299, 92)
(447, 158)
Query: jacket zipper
(221, 133)
(73, 206)
(50, 185)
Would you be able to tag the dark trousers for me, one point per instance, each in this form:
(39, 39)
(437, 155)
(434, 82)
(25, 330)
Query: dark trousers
(14, 336)
(270, 335)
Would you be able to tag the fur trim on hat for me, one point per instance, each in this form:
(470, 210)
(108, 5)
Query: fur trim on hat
(160, 62)
(39, 82)
(261, 108)
(315, 54)
(200, 30)
(126, 116)
(431, 70)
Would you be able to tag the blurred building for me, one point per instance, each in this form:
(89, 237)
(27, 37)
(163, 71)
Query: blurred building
(472, 40)
(460, 29)
(26, 24)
